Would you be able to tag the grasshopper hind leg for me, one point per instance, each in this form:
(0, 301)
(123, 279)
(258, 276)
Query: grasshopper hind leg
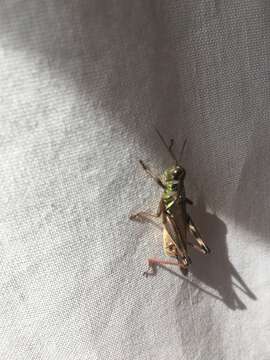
(153, 263)
(195, 232)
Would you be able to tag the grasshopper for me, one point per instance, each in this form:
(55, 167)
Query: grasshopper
(175, 218)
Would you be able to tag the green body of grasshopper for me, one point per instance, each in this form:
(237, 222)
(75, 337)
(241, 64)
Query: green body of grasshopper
(175, 218)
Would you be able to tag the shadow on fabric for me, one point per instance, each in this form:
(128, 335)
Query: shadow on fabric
(215, 270)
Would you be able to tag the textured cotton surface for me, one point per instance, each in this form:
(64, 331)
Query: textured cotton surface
(82, 86)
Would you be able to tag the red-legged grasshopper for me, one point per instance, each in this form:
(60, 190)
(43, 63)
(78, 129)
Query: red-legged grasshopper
(175, 218)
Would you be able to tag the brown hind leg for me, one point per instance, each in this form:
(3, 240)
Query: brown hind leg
(202, 247)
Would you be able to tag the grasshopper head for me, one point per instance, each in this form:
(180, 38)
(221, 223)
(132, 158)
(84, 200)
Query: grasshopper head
(175, 172)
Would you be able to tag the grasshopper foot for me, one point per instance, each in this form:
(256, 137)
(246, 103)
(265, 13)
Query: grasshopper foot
(151, 269)
(136, 217)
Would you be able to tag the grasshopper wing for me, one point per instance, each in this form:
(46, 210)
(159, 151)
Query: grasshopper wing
(174, 241)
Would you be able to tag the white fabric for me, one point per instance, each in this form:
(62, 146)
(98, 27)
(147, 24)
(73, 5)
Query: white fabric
(83, 84)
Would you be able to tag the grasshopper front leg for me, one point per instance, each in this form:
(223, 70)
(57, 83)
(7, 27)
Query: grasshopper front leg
(145, 215)
(156, 178)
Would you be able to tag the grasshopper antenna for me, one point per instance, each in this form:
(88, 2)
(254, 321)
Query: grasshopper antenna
(182, 150)
(169, 148)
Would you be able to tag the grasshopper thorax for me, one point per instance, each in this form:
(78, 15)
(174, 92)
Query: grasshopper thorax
(174, 188)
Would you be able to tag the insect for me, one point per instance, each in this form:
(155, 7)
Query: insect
(175, 218)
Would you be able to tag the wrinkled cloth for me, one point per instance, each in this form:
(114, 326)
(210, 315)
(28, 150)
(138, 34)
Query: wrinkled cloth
(83, 85)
